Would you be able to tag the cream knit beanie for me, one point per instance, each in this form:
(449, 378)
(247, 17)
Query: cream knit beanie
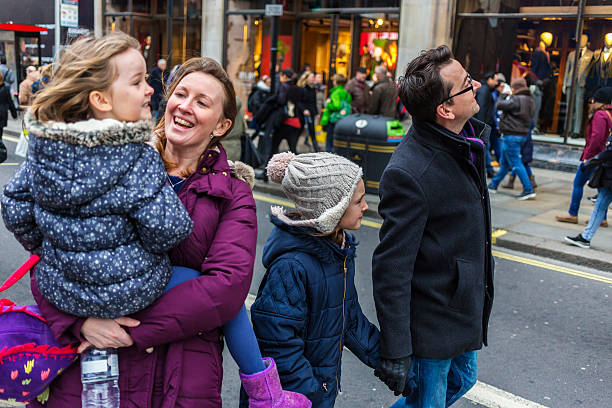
(320, 184)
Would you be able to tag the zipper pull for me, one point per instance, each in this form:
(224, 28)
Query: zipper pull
(325, 386)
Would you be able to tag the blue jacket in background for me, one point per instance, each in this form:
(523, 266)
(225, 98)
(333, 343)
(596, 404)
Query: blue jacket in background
(91, 198)
(307, 310)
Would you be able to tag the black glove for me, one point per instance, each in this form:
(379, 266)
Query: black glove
(394, 373)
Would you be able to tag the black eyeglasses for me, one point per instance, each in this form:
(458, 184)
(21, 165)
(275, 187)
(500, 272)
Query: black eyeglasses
(468, 89)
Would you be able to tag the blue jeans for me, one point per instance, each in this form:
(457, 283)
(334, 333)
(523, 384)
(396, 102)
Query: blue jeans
(512, 159)
(604, 198)
(440, 383)
(582, 176)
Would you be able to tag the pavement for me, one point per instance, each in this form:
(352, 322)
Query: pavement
(527, 226)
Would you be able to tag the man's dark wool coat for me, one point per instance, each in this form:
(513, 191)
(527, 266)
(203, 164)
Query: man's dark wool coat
(433, 269)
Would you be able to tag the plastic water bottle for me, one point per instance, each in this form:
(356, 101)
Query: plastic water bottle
(100, 378)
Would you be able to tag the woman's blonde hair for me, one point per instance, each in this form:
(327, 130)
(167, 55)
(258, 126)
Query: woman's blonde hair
(211, 67)
(302, 81)
(85, 67)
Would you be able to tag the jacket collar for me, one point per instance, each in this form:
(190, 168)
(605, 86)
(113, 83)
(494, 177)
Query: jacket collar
(434, 135)
(213, 175)
(287, 238)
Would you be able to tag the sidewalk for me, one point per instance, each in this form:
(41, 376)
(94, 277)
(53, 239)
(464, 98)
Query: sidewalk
(527, 226)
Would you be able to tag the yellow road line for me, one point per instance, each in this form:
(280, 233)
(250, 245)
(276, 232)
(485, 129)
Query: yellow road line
(498, 254)
(271, 200)
(556, 268)
(496, 234)
(9, 164)
(11, 139)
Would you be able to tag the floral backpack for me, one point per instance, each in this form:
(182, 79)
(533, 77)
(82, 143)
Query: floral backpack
(30, 357)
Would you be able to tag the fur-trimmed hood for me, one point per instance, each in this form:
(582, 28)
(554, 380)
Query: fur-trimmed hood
(92, 132)
(74, 163)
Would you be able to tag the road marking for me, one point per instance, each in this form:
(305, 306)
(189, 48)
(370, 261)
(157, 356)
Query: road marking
(489, 396)
(9, 164)
(496, 234)
(11, 139)
(556, 268)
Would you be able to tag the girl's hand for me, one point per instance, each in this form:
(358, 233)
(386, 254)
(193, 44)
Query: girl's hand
(107, 333)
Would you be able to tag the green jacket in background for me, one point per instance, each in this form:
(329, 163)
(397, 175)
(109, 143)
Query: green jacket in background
(339, 100)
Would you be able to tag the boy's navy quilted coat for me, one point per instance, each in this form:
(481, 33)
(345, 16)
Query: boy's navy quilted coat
(307, 310)
(91, 198)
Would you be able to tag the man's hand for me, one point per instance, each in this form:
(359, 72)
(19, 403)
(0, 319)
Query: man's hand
(394, 373)
(105, 333)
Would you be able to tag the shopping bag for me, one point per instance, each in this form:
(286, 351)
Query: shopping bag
(22, 145)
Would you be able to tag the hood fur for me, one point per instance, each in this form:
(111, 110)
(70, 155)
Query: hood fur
(92, 132)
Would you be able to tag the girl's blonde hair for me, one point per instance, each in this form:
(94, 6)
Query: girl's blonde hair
(85, 67)
(211, 67)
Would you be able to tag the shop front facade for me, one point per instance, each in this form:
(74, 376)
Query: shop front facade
(562, 48)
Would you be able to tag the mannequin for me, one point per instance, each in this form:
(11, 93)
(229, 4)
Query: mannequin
(600, 72)
(540, 60)
(584, 59)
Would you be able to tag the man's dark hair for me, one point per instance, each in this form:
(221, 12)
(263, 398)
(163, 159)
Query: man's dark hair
(362, 70)
(489, 75)
(422, 88)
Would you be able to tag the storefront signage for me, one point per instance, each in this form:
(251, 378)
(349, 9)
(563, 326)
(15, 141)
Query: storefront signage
(274, 10)
(70, 13)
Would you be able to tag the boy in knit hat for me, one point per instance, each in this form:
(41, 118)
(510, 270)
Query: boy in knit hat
(307, 308)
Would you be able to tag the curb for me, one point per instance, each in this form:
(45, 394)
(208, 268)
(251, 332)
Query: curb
(528, 244)
(558, 250)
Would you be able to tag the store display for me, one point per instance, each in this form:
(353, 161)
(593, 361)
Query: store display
(585, 56)
(600, 72)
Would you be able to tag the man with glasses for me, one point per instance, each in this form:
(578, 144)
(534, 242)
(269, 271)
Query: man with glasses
(433, 269)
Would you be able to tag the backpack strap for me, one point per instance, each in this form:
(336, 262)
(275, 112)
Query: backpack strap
(18, 274)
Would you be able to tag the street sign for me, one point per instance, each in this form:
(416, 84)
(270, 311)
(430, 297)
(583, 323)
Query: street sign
(274, 10)
(70, 13)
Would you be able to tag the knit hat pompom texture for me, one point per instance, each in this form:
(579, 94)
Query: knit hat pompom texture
(320, 184)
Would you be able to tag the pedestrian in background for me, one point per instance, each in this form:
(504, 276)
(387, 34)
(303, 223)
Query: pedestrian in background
(601, 166)
(157, 79)
(599, 125)
(307, 309)
(360, 91)
(338, 106)
(384, 95)
(289, 102)
(432, 271)
(309, 104)
(515, 124)
(25, 87)
(44, 77)
(6, 104)
(486, 114)
(233, 141)
(320, 87)
(7, 73)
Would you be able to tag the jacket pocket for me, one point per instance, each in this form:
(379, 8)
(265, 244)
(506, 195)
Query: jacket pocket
(467, 287)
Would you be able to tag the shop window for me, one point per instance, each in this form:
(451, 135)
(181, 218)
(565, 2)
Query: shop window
(141, 6)
(245, 45)
(542, 52)
(116, 6)
(112, 24)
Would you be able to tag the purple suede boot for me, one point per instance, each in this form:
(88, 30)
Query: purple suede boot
(265, 391)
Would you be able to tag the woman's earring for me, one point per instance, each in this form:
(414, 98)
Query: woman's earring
(212, 136)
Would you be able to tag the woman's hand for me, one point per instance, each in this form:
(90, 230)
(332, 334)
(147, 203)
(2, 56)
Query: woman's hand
(306, 112)
(105, 333)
